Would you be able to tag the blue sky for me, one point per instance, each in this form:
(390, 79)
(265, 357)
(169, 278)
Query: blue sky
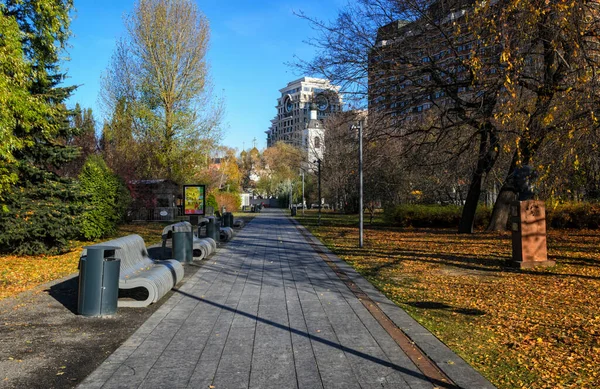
(250, 43)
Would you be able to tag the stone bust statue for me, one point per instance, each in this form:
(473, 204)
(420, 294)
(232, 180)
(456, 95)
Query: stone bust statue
(524, 179)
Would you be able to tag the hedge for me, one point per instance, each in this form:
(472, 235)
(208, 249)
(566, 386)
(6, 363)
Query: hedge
(573, 215)
(567, 215)
(107, 199)
(432, 216)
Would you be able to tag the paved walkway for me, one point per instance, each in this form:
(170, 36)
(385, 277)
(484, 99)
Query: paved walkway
(268, 312)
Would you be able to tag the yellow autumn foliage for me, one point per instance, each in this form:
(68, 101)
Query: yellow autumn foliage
(530, 329)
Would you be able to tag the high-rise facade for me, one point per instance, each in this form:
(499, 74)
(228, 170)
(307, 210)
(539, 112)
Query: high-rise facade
(292, 124)
(423, 68)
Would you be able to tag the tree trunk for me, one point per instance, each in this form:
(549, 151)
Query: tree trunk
(487, 158)
(501, 211)
(467, 219)
(507, 194)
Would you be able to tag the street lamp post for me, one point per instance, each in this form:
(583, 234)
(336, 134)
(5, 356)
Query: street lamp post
(360, 179)
(318, 162)
(360, 184)
(291, 198)
(303, 202)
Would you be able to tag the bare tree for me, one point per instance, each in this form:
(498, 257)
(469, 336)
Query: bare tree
(340, 162)
(413, 66)
(460, 78)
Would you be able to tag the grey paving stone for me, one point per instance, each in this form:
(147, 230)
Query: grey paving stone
(271, 338)
(176, 358)
(129, 375)
(172, 377)
(372, 367)
(334, 367)
(307, 371)
(267, 312)
(234, 365)
(273, 369)
(100, 376)
(244, 319)
(150, 348)
(120, 355)
(204, 373)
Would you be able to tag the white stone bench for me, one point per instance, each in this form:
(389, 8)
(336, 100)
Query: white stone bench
(138, 270)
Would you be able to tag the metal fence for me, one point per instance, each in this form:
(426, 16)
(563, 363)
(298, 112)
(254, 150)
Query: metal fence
(154, 214)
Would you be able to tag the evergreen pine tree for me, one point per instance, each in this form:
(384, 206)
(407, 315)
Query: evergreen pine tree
(83, 137)
(40, 207)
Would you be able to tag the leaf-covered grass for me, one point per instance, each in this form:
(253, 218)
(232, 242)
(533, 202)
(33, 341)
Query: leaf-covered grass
(19, 273)
(522, 329)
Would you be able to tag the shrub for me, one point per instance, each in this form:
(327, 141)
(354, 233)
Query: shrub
(211, 201)
(106, 202)
(573, 215)
(40, 217)
(230, 200)
(432, 216)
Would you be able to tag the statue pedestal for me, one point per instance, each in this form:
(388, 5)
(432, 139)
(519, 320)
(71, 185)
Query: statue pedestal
(528, 225)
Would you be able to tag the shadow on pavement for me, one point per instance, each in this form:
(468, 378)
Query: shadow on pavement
(414, 373)
(66, 293)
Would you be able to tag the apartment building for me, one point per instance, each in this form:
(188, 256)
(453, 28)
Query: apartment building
(425, 65)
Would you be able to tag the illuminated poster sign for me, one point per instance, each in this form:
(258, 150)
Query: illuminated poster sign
(194, 199)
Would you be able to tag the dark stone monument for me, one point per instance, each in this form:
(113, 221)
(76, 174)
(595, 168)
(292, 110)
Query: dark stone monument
(528, 224)
(523, 181)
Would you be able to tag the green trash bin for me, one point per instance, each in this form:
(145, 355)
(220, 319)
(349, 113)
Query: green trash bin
(227, 219)
(212, 229)
(183, 242)
(99, 272)
(217, 237)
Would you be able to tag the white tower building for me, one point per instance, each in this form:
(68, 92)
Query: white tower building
(313, 136)
(291, 124)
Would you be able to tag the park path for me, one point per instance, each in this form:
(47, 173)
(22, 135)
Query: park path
(267, 311)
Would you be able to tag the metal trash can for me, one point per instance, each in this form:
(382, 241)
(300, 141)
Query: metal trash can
(227, 219)
(99, 272)
(224, 219)
(212, 228)
(217, 235)
(183, 241)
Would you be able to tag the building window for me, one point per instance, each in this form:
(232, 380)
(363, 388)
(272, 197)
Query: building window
(317, 142)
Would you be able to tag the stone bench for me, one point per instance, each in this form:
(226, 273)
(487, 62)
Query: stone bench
(138, 270)
(225, 234)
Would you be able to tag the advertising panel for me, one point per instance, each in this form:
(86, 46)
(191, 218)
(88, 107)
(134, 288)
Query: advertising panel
(194, 199)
